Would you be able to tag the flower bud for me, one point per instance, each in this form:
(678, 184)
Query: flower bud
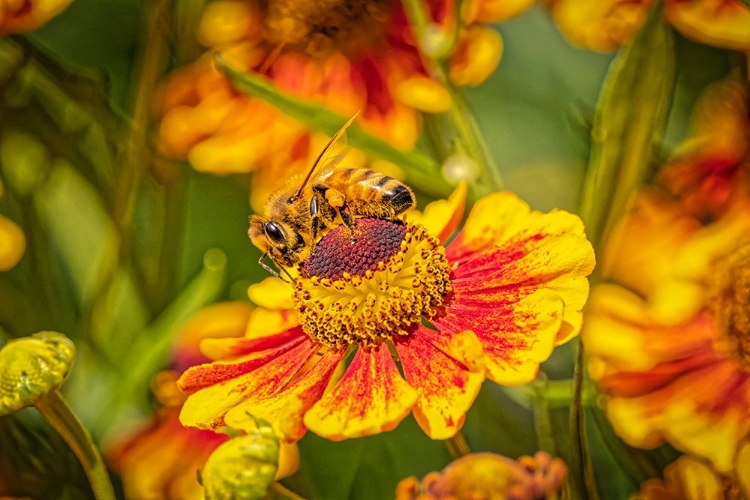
(31, 367)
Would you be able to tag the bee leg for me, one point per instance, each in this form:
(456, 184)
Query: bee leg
(271, 271)
(315, 215)
(346, 218)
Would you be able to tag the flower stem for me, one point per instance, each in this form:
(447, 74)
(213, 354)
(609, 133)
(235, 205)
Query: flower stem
(457, 445)
(581, 460)
(542, 420)
(55, 409)
(454, 133)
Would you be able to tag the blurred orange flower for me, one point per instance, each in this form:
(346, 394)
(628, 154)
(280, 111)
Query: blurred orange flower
(507, 290)
(668, 340)
(489, 476)
(160, 461)
(707, 168)
(345, 55)
(605, 25)
(20, 16)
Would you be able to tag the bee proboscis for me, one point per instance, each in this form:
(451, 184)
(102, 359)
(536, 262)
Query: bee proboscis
(298, 214)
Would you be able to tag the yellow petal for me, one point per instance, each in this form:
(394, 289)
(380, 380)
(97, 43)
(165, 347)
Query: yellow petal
(493, 11)
(724, 24)
(12, 243)
(478, 54)
(370, 398)
(272, 293)
(601, 25)
(221, 320)
(520, 364)
(441, 217)
(423, 93)
(447, 386)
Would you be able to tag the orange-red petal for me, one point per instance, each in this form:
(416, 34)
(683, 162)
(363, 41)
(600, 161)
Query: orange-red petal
(448, 377)
(286, 408)
(370, 398)
(215, 388)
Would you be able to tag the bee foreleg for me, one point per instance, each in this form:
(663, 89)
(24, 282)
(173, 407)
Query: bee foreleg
(271, 271)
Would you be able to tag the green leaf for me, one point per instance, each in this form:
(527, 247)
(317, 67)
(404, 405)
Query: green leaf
(422, 171)
(366, 468)
(80, 229)
(630, 119)
(150, 350)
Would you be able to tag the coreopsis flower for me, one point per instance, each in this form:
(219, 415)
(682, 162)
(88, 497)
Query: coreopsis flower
(690, 478)
(20, 16)
(493, 303)
(346, 55)
(161, 459)
(489, 476)
(609, 24)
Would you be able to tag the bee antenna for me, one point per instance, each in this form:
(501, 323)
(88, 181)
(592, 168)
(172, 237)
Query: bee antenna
(330, 143)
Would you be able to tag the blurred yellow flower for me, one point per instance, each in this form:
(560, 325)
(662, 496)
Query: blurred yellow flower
(161, 459)
(20, 16)
(12, 243)
(690, 478)
(346, 55)
(489, 476)
(507, 290)
(669, 337)
(605, 25)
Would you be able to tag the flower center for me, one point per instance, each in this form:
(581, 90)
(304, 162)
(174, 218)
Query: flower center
(730, 304)
(319, 26)
(364, 286)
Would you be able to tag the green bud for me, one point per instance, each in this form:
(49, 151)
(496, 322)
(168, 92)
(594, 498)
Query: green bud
(31, 367)
(244, 467)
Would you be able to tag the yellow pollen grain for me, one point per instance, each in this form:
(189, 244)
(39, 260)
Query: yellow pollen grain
(371, 308)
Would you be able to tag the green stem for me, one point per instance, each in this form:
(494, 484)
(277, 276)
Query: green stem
(455, 132)
(55, 409)
(278, 491)
(542, 420)
(581, 463)
(457, 446)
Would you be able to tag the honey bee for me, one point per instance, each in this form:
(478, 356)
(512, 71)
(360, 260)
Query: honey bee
(298, 214)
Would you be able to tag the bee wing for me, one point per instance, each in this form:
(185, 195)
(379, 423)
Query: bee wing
(332, 153)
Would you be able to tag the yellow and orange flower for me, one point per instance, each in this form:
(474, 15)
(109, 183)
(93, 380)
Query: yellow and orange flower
(493, 303)
(347, 55)
(161, 459)
(668, 340)
(706, 169)
(20, 16)
(487, 475)
(608, 24)
(690, 478)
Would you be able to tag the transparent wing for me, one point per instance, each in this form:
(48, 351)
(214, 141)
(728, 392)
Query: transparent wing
(331, 155)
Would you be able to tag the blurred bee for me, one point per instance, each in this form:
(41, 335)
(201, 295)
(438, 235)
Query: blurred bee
(299, 213)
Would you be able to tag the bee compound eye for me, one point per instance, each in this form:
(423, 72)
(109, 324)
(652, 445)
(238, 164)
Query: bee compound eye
(274, 232)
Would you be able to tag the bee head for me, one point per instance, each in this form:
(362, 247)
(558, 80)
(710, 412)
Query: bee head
(277, 239)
